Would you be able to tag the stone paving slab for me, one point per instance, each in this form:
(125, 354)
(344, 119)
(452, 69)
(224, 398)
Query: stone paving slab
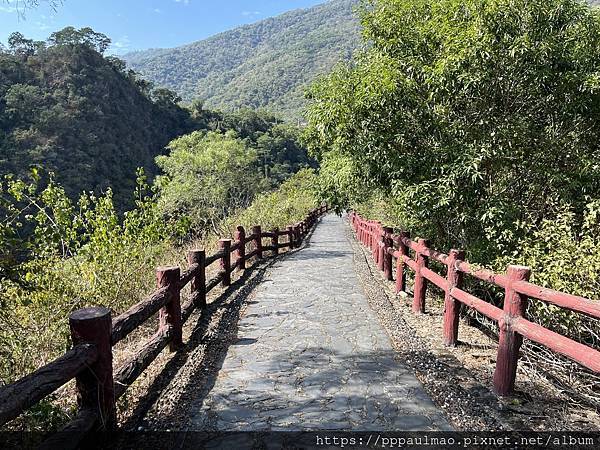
(311, 355)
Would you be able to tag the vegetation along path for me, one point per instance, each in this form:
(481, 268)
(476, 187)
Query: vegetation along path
(310, 354)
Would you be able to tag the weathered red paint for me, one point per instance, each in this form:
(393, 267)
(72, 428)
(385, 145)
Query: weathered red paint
(95, 385)
(275, 240)
(451, 305)
(400, 272)
(375, 238)
(170, 314)
(510, 341)
(225, 246)
(240, 236)
(567, 301)
(512, 325)
(93, 333)
(198, 283)
(257, 232)
(388, 243)
(420, 286)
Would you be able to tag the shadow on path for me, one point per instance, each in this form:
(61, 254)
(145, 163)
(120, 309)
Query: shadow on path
(202, 356)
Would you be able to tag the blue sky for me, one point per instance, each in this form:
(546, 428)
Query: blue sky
(137, 24)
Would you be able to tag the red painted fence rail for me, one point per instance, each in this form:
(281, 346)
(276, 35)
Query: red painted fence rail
(512, 323)
(94, 333)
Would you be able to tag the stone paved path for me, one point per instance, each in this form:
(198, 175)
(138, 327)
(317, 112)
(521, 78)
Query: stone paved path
(311, 355)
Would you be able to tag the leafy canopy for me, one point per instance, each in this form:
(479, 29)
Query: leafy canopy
(67, 109)
(207, 176)
(475, 117)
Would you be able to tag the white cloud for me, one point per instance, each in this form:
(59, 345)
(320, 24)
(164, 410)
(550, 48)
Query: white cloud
(185, 2)
(158, 10)
(121, 45)
(251, 13)
(8, 9)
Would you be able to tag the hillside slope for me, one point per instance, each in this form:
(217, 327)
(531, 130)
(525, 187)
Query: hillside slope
(263, 65)
(68, 110)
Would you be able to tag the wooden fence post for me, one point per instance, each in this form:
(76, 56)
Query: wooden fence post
(381, 249)
(275, 241)
(225, 246)
(257, 232)
(388, 244)
(420, 281)
(510, 341)
(240, 236)
(198, 285)
(95, 385)
(374, 241)
(297, 236)
(170, 314)
(451, 305)
(400, 272)
(290, 230)
(361, 231)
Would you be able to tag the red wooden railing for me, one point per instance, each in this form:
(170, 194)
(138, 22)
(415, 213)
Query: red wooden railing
(94, 333)
(512, 324)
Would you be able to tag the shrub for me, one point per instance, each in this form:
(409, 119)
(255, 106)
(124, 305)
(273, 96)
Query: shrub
(564, 255)
(285, 206)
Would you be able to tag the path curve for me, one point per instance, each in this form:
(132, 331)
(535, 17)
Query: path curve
(311, 355)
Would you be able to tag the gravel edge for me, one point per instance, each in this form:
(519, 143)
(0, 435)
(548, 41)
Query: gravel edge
(467, 404)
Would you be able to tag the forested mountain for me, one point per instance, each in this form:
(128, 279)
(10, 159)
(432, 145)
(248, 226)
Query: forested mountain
(267, 64)
(67, 109)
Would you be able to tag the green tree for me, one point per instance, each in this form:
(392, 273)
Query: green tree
(476, 117)
(207, 176)
(84, 36)
(265, 65)
(66, 108)
(280, 153)
(20, 45)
